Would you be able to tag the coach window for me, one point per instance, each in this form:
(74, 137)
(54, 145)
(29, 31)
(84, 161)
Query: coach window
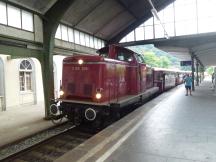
(25, 75)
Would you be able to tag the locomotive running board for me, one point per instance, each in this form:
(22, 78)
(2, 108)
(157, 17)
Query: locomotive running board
(131, 99)
(121, 102)
(85, 102)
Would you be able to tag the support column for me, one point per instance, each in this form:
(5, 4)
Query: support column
(197, 73)
(192, 70)
(50, 24)
(200, 74)
(214, 79)
(47, 67)
(203, 73)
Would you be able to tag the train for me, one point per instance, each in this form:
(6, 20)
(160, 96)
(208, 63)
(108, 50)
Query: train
(95, 88)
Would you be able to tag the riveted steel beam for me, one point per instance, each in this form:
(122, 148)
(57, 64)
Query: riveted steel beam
(139, 21)
(20, 52)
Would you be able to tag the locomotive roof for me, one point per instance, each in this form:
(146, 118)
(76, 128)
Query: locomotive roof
(115, 45)
(165, 69)
(170, 70)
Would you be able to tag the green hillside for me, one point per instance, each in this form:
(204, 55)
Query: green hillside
(156, 57)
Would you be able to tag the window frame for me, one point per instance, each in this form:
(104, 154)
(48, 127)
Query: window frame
(126, 55)
(26, 73)
(21, 18)
(33, 28)
(6, 14)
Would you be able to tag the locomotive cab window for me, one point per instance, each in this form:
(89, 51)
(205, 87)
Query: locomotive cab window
(124, 56)
(140, 58)
(105, 54)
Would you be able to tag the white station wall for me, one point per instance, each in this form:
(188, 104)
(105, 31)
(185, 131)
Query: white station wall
(57, 73)
(14, 97)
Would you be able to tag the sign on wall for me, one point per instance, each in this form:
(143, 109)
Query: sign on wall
(185, 63)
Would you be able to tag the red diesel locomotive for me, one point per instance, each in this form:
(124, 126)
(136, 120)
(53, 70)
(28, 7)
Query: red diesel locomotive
(98, 86)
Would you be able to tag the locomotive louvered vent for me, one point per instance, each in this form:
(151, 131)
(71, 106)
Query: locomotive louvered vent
(71, 88)
(87, 89)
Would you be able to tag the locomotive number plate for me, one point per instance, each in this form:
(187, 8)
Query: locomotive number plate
(79, 68)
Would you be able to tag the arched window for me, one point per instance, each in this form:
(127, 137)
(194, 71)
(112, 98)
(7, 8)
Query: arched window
(25, 75)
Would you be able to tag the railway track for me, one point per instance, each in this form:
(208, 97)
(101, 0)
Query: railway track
(52, 148)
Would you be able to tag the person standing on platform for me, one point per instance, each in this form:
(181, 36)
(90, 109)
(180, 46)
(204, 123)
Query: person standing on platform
(188, 84)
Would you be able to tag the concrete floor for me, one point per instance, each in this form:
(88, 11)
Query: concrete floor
(179, 129)
(19, 122)
(176, 128)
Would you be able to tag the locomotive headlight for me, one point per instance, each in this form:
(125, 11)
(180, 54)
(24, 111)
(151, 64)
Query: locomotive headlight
(61, 92)
(80, 61)
(98, 95)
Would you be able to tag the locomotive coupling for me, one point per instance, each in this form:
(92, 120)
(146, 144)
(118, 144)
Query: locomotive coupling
(90, 114)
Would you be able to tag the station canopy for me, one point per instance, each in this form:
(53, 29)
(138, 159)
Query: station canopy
(109, 20)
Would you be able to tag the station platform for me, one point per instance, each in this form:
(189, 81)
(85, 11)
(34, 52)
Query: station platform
(170, 128)
(20, 122)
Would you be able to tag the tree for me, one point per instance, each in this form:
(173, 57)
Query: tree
(210, 70)
(156, 57)
(155, 61)
(151, 59)
(164, 62)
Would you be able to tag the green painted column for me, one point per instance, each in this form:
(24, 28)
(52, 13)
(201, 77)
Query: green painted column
(47, 66)
(200, 73)
(214, 81)
(192, 69)
(197, 73)
(50, 23)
